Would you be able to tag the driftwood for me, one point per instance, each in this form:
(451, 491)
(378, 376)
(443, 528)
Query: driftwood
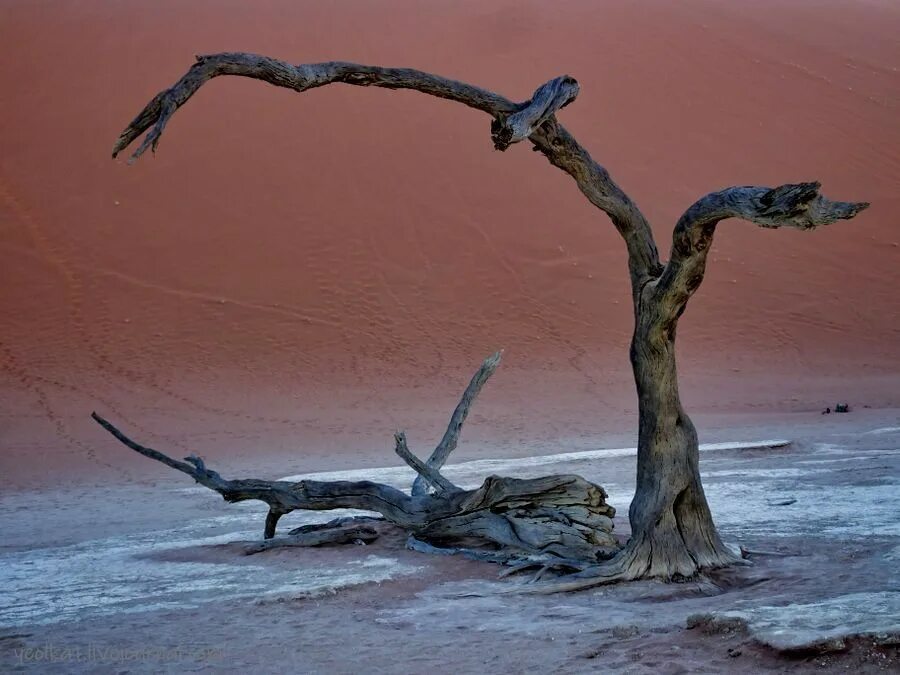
(673, 534)
(559, 521)
(334, 532)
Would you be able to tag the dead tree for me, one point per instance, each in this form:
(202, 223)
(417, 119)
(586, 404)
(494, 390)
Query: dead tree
(559, 521)
(672, 530)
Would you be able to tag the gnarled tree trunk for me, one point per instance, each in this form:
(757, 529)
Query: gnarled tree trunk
(672, 529)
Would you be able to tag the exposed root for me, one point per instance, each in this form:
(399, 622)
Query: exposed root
(482, 555)
(635, 561)
(546, 564)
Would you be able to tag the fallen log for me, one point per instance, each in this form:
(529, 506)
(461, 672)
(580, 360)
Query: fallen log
(334, 532)
(561, 520)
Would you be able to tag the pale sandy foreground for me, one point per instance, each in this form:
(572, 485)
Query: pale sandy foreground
(150, 577)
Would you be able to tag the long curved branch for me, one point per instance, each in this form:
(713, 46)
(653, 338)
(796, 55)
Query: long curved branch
(284, 496)
(534, 119)
(799, 206)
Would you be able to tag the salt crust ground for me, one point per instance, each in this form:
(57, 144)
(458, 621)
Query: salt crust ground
(166, 589)
(292, 272)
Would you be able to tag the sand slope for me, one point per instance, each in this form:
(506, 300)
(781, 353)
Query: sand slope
(312, 271)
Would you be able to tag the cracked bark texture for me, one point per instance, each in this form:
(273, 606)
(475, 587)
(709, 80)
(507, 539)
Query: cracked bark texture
(561, 519)
(673, 534)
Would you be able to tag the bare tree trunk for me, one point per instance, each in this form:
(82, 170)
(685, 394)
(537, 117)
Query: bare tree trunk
(673, 534)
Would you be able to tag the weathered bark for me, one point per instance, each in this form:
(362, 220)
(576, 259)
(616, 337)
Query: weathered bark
(334, 532)
(563, 520)
(428, 473)
(673, 534)
(672, 529)
(451, 436)
(550, 97)
(797, 206)
(550, 138)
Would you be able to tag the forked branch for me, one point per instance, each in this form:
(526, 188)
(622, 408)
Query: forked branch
(426, 472)
(798, 206)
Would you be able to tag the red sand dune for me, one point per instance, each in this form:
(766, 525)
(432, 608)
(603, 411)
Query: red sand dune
(304, 273)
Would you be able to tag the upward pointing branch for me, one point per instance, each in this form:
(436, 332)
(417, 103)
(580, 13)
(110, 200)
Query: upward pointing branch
(534, 119)
(457, 419)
